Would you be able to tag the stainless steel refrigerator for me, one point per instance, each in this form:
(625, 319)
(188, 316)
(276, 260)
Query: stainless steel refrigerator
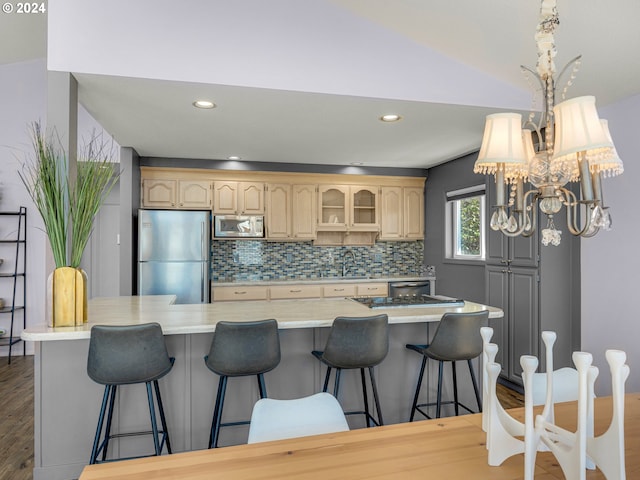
(173, 254)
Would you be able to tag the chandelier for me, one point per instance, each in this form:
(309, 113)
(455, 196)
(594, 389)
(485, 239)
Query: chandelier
(561, 143)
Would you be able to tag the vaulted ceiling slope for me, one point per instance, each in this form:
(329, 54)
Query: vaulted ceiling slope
(305, 82)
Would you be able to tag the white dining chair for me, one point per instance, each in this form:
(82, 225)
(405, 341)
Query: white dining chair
(279, 419)
(565, 386)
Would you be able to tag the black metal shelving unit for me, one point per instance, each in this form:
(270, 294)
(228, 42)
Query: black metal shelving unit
(19, 273)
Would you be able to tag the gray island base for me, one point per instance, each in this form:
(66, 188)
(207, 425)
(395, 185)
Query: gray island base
(67, 402)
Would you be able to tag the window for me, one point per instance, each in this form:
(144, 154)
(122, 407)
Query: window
(465, 223)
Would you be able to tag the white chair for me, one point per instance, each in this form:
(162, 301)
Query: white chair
(279, 419)
(565, 386)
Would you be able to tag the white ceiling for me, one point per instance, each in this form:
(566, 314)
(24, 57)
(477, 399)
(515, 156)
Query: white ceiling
(297, 115)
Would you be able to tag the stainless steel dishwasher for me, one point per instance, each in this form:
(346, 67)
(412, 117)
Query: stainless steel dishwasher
(409, 289)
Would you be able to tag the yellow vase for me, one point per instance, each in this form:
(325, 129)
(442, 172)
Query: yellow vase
(67, 297)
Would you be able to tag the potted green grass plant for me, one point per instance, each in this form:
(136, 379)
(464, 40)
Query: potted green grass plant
(68, 208)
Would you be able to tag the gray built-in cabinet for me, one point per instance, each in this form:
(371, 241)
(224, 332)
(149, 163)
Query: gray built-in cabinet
(512, 278)
(538, 289)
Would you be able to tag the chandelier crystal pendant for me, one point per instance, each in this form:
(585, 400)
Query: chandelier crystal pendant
(572, 144)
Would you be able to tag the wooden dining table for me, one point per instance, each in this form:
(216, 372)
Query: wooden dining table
(443, 449)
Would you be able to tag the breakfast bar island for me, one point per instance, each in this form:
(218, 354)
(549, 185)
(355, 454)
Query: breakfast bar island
(67, 402)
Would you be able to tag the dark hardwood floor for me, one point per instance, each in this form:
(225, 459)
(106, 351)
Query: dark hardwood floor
(509, 398)
(16, 420)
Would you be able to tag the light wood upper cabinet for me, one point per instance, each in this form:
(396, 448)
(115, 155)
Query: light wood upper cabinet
(225, 198)
(179, 194)
(329, 209)
(251, 198)
(238, 198)
(343, 208)
(333, 204)
(291, 211)
(391, 213)
(402, 213)
(278, 211)
(159, 193)
(364, 208)
(413, 212)
(194, 194)
(303, 208)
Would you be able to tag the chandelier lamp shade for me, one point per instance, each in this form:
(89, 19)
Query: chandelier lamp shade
(563, 143)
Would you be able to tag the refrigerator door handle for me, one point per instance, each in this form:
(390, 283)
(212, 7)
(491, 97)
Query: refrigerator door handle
(202, 283)
(203, 250)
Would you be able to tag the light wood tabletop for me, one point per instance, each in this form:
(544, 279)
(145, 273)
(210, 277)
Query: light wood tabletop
(446, 449)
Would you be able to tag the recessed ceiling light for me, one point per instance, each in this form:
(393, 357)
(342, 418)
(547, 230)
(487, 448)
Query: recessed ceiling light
(234, 157)
(390, 117)
(204, 104)
(356, 164)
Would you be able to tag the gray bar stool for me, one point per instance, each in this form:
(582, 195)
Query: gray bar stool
(457, 338)
(356, 342)
(125, 355)
(241, 349)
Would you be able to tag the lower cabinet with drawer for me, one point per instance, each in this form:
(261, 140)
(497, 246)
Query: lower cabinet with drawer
(372, 289)
(240, 293)
(282, 292)
(339, 290)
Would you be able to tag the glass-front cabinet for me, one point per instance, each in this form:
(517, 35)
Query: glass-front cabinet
(364, 208)
(333, 202)
(348, 208)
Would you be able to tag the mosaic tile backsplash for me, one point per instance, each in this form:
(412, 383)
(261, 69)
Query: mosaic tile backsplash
(242, 260)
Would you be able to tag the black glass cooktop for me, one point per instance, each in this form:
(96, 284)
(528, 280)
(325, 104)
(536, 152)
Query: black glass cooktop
(408, 301)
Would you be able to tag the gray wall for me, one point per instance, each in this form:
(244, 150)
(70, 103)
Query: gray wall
(24, 99)
(456, 278)
(23, 88)
(610, 261)
(129, 204)
(280, 167)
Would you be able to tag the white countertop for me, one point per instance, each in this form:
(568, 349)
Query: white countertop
(202, 318)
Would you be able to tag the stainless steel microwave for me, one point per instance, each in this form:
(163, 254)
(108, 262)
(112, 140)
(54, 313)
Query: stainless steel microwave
(238, 226)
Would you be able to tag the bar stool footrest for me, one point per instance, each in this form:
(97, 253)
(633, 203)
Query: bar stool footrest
(233, 424)
(434, 404)
(110, 460)
(367, 415)
(161, 434)
(133, 434)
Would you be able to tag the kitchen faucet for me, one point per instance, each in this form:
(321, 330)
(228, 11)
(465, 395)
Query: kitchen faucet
(345, 268)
